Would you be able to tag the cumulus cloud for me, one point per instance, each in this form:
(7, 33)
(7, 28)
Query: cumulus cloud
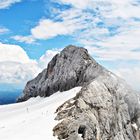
(15, 65)
(17, 68)
(7, 3)
(17, 73)
(13, 53)
(26, 39)
(48, 29)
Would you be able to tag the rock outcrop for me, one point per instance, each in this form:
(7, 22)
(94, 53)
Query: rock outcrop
(105, 109)
(72, 67)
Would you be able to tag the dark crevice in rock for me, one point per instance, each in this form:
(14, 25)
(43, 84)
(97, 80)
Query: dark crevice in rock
(81, 130)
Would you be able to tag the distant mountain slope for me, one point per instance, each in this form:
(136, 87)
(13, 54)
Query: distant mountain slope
(8, 97)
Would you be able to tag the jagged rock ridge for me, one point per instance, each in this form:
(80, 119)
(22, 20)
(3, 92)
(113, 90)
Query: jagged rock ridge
(105, 109)
(72, 67)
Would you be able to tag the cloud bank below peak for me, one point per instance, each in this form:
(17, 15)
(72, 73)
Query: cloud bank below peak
(17, 68)
(15, 65)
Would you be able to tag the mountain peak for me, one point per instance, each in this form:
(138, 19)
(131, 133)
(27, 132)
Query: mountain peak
(104, 108)
(72, 67)
(71, 48)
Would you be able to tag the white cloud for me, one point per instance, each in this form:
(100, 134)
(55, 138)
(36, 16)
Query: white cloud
(3, 30)
(113, 55)
(125, 8)
(17, 68)
(117, 8)
(47, 29)
(15, 65)
(107, 47)
(7, 3)
(17, 73)
(26, 39)
(122, 40)
(13, 53)
(106, 27)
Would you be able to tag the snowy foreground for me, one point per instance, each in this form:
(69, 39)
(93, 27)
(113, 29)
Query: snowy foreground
(33, 119)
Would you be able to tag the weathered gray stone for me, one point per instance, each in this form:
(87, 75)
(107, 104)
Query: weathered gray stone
(72, 67)
(99, 111)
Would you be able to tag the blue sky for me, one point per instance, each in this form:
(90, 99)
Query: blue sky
(19, 18)
(32, 31)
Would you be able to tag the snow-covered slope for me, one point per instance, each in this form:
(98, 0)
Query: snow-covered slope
(33, 119)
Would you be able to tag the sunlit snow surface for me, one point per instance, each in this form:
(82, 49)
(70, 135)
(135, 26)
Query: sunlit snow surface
(33, 119)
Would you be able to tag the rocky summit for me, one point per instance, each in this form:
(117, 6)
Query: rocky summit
(106, 108)
(72, 67)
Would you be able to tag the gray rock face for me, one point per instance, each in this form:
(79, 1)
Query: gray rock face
(72, 67)
(105, 109)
